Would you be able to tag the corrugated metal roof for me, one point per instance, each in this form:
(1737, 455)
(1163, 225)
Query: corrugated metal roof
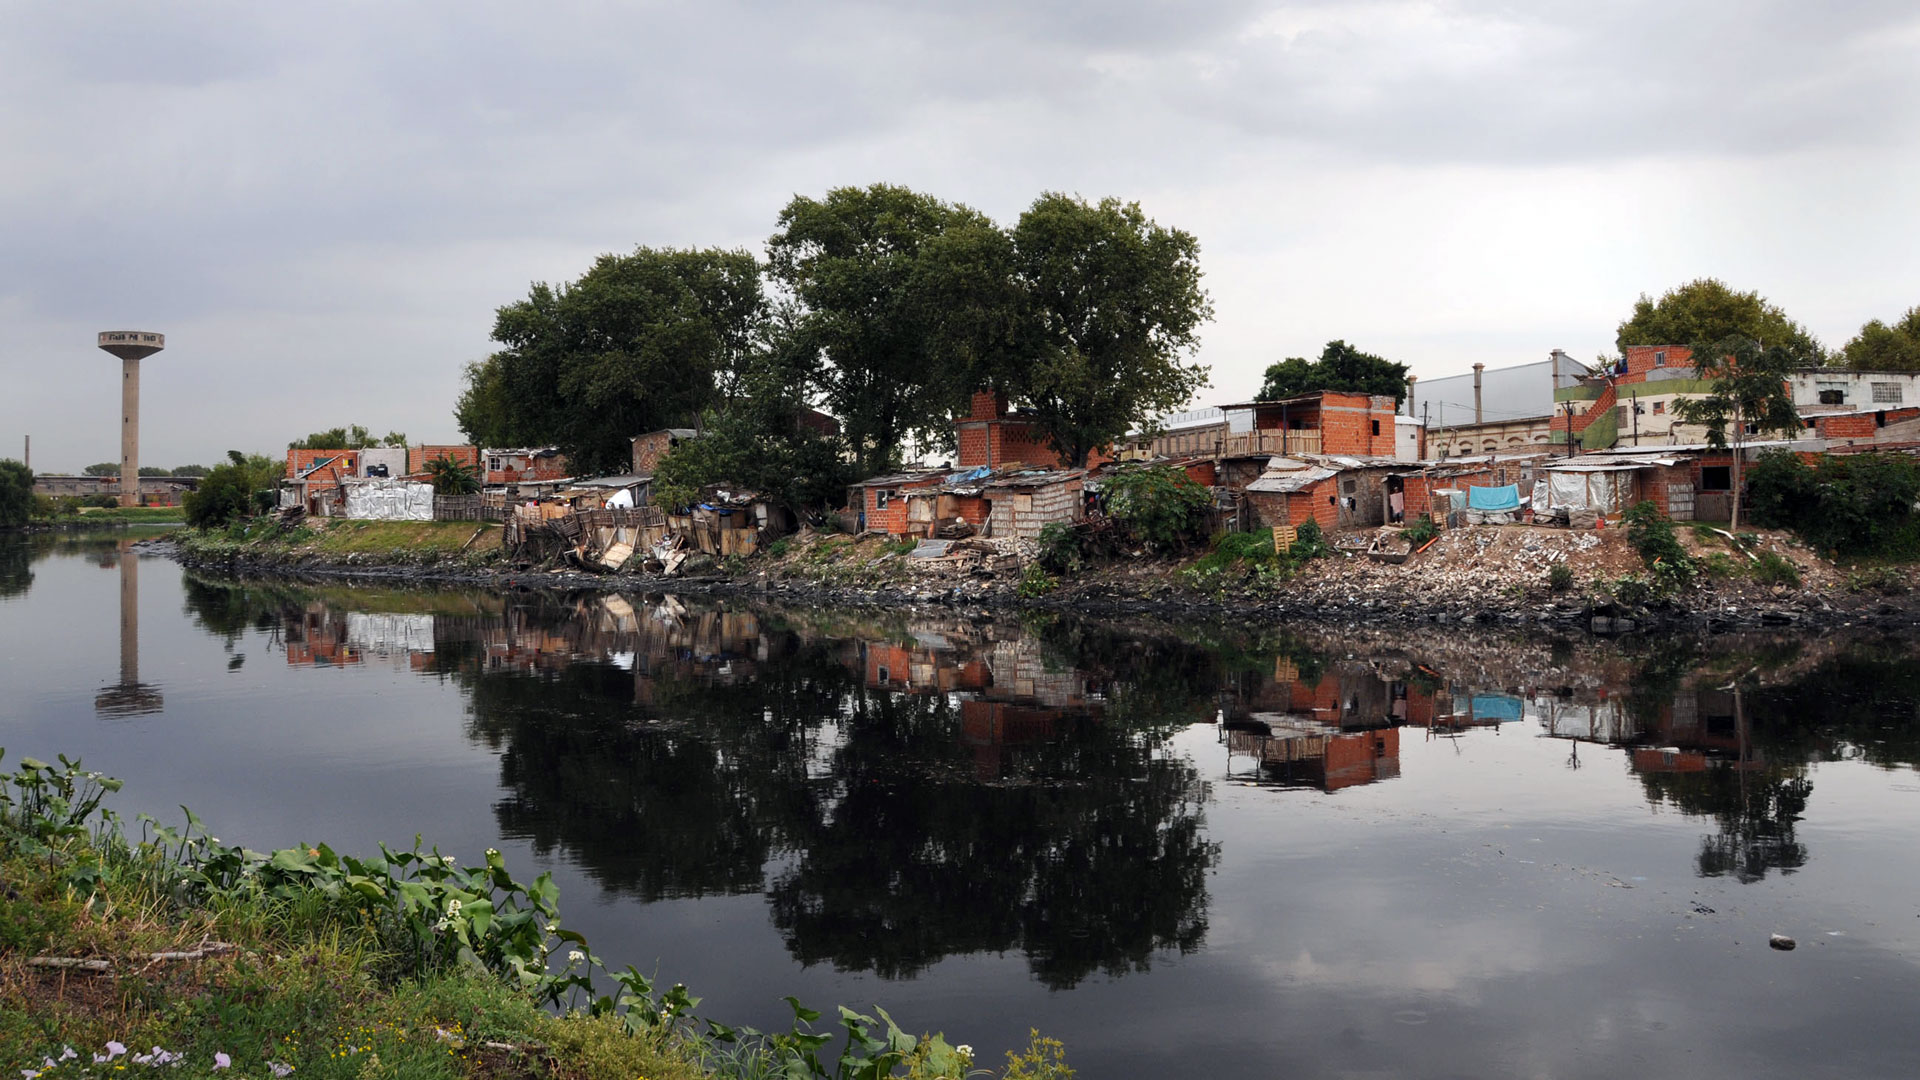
(1291, 480)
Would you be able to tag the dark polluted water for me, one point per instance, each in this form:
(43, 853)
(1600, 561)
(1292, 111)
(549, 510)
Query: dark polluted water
(1185, 850)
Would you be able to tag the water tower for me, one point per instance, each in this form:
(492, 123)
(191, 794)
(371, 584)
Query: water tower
(131, 346)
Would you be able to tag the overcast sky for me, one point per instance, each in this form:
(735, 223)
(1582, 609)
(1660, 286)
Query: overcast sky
(322, 205)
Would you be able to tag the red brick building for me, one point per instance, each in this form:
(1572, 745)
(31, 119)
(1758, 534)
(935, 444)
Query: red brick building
(418, 456)
(990, 435)
(1323, 422)
(530, 465)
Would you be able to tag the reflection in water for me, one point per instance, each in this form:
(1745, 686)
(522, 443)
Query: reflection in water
(904, 789)
(130, 697)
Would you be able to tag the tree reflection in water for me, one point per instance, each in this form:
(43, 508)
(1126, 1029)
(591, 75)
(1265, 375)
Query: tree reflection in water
(904, 789)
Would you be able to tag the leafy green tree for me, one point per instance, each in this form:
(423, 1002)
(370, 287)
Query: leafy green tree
(484, 411)
(1880, 347)
(1707, 310)
(1748, 388)
(902, 296)
(635, 345)
(1115, 301)
(450, 477)
(1340, 367)
(16, 493)
(104, 468)
(352, 437)
(240, 488)
(188, 470)
(759, 442)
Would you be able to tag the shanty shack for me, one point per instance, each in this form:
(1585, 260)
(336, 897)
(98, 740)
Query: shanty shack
(882, 500)
(1022, 503)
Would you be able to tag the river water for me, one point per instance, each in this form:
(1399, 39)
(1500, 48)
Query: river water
(1186, 850)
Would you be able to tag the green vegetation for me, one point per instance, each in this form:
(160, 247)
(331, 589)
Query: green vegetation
(1035, 582)
(1880, 347)
(366, 542)
(1112, 303)
(351, 437)
(1853, 505)
(1559, 577)
(234, 491)
(1706, 310)
(1162, 507)
(173, 950)
(1651, 533)
(1421, 531)
(1340, 367)
(1749, 389)
(640, 342)
(450, 477)
(16, 493)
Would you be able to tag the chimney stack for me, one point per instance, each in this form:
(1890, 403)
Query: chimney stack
(1411, 379)
(1477, 369)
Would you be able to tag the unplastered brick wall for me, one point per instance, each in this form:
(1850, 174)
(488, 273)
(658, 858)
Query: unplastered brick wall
(299, 461)
(418, 456)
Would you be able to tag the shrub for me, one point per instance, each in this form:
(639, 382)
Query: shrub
(1035, 582)
(1422, 530)
(1651, 534)
(1308, 542)
(1560, 577)
(1161, 506)
(1771, 569)
(1884, 580)
(1060, 548)
(1855, 504)
(779, 548)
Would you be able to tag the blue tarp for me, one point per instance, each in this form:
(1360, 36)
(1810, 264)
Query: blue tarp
(1497, 707)
(1494, 498)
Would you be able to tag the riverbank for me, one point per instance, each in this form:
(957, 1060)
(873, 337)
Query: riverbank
(171, 951)
(1592, 580)
(104, 518)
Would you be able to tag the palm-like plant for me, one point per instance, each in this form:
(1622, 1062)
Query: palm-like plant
(450, 477)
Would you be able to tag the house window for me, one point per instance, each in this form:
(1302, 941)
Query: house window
(1886, 393)
(1347, 486)
(881, 499)
(1833, 397)
(1716, 478)
(493, 464)
(1376, 427)
(1660, 358)
(1659, 407)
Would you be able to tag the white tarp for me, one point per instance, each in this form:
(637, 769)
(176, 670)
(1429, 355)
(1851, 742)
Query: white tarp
(390, 500)
(386, 635)
(1606, 492)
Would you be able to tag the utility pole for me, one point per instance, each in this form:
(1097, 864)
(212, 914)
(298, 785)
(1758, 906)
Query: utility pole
(1634, 397)
(1569, 429)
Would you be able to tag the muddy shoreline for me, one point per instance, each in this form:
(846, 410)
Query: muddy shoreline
(1708, 608)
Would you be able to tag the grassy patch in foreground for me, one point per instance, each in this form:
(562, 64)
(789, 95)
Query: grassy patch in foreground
(119, 956)
(134, 515)
(418, 537)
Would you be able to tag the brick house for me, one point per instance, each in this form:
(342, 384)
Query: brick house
(882, 500)
(648, 449)
(1323, 422)
(418, 456)
(525, 465)
(989, 435)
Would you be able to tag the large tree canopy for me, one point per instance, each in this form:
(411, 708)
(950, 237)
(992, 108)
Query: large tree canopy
(757, 437)
(1880, 347)
(1707, 310)
(901, 295)
(16, 492)
(351, 437)
(1113, 301)
(1340, 367)
(635, 345)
